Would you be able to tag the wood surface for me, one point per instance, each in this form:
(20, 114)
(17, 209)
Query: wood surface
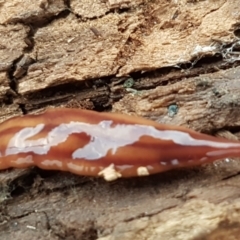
(138, 57)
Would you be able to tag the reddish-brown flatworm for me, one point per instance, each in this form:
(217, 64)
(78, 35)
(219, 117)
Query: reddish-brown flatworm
(105, 144)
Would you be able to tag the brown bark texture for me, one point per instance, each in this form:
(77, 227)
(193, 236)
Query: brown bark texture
(172, 61)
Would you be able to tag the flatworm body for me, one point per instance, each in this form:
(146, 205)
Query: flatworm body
(105, 144)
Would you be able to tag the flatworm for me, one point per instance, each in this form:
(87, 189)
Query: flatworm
(105, 144)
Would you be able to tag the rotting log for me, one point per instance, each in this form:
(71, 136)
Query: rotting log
(176, 62)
